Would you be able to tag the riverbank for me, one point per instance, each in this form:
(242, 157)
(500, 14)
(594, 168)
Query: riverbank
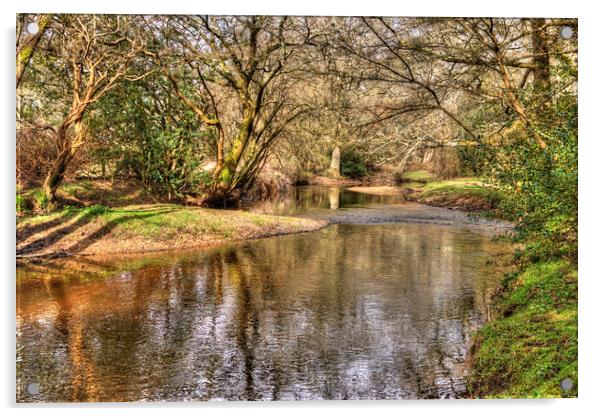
(104, 217)
(144, 228)
(525, 350)
(465, 194)
(530, 346)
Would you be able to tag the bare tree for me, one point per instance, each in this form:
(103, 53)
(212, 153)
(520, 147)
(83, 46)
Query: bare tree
(93, 53)
(505, 62)
(238, 69)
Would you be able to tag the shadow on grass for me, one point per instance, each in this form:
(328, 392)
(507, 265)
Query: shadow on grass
(37, 247)
(29, 230)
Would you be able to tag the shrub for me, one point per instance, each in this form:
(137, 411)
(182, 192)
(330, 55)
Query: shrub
(353, 164)
(541, 183)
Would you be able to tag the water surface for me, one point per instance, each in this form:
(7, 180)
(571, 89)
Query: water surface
(353, 311)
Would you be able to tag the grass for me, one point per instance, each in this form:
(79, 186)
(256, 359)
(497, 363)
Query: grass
(463, 193)
(161, 221)
(460, 188)
(21, 204)
(421, 176)
(84, 187)
(532, 344)
(150, 227)
(103, 216)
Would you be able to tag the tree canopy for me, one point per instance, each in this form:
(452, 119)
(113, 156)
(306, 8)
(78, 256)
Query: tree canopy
(199, 106)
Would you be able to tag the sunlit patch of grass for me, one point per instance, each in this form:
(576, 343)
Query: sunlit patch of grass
(421, 176)
(532, 344)
(84, 188)
(166, 221)
(22, 205)
(457, 183)
(149, 227)
(464, 193)
(259, 221)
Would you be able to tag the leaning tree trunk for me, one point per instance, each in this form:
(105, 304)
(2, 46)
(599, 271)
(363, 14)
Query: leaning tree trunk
(335, 162)
(55, 177)
(68, 148)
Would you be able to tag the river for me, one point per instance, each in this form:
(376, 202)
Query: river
(379, 305)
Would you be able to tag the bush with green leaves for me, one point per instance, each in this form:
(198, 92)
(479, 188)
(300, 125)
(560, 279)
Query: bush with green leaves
(353, 164)
(169, 163)
(542, 183)
(152, 137)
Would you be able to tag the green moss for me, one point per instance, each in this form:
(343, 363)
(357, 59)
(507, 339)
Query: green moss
(532, 344)
(25, 53)
(225, 176)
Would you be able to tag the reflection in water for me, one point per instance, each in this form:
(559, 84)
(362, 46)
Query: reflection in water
(334, 196)
(348, 312)
(307, 199)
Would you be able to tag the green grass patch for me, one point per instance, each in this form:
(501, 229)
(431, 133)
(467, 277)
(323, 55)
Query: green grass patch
(82, 189)
(422, 176)
(22, 204)
(164, 221)
(31, 200)
(532, 344)
(463, 193)
(83, 192)
(40, 199)
(459, 189)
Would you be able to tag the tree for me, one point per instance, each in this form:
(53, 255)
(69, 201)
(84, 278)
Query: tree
(92, 54)
(28, 42)
(501, 63)
(234, 73)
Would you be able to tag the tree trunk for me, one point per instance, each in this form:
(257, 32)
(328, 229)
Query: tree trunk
(55, 177)
(26, 50)
(541, 58)
(335, 163)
